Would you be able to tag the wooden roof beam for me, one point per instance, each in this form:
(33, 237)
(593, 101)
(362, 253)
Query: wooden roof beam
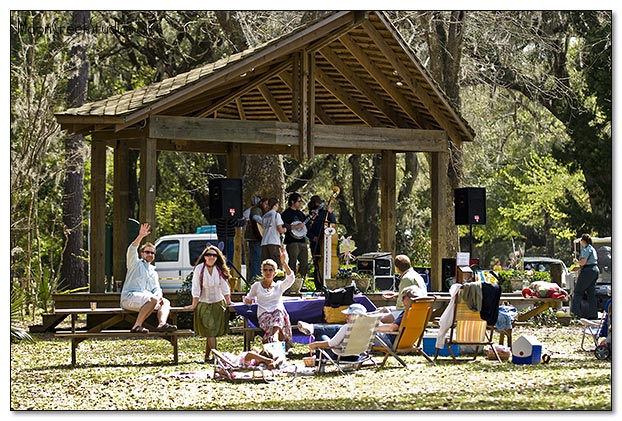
(377, 74)
(272, 102)
(320, 114)
(396, 35)
(240, 106)
(269, 53)
(362, 86)
(416, 87)
(245, 89)
(347, 100)
(359, 17)
(175, 129)
(129, 133)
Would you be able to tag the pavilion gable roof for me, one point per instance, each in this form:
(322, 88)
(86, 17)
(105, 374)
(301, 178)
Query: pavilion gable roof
(364, 74)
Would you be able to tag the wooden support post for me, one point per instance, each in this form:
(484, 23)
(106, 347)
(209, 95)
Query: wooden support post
(309, 147)
(439, 240)
(388, 200)
(120, 210)
(303, 102)
(97, 240)
(234, 170)
(148, 166)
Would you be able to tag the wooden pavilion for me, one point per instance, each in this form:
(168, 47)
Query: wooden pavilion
(347, 83)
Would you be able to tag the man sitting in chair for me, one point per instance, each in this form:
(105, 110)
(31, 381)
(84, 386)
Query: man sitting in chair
(331, 336)
(408, 295)
(409, 278)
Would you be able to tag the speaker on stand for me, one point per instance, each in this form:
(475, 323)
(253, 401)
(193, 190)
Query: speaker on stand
(225, 198)
(225, 205)
(470, 209)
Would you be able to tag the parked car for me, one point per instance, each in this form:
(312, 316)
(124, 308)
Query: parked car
(176, 255)
(556, 267)
(603, 283)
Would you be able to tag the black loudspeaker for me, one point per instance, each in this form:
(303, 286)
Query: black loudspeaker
(448, 270)
(225, 198)
(470, 206)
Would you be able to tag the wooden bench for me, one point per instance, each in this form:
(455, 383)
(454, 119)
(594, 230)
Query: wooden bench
(111, 317)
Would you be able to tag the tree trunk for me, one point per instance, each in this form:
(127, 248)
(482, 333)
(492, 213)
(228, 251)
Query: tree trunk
(72, 269)
(366, 209)
(444, 40)
(265, 177)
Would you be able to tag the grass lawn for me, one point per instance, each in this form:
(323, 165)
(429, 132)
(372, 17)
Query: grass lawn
(138, 375)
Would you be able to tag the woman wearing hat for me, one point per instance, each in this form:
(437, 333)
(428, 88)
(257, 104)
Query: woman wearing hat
(271, 313)
(323, 332)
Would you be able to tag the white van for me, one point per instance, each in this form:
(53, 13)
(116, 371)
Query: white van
(176, 255)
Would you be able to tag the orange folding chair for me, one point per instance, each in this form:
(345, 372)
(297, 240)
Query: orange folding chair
(410, 333)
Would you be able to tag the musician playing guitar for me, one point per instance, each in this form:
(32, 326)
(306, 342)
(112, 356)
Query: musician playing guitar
(296, 245)
(316, 235)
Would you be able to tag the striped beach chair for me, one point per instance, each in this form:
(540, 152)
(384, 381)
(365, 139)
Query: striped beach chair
(469, 328)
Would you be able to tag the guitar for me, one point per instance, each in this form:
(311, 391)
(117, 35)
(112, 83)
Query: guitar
(300, 232)
(257, 229)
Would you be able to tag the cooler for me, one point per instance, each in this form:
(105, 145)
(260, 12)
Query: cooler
(429, 345)
(526, 350)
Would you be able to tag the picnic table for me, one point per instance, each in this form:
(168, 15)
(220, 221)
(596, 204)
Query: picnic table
(518, 301)
(105, 328)
(310, 310)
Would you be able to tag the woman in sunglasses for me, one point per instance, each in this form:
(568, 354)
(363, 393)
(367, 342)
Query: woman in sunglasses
(271, 313)
(210, 297)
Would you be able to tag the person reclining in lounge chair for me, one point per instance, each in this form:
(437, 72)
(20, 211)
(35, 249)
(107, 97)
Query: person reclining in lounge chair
(331, 336)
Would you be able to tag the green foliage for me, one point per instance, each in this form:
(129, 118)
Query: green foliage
(545, 319)
(17, 304)
(538, 186)
(178, 216)
(527, 277)
(505, 276)
(540, 277)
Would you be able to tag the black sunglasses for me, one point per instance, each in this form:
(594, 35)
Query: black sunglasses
(148, 252)
(211, 255)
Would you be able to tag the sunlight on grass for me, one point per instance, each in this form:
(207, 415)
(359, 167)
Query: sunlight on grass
(139, 375)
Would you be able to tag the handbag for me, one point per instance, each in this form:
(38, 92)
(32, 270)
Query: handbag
(274, 349)
(335, 301)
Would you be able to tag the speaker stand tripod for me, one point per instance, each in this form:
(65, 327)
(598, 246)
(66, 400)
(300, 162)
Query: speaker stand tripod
(226, 253)
(470, 241)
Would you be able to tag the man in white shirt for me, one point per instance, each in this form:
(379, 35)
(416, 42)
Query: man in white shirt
(141, 289)
(272, 229)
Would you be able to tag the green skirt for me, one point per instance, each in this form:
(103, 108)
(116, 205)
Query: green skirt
(210, 320)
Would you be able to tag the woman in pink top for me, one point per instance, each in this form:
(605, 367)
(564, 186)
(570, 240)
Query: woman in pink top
(268, 294)
(210, 297)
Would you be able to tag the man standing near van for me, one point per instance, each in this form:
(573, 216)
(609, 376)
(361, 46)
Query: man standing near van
(141, 290)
